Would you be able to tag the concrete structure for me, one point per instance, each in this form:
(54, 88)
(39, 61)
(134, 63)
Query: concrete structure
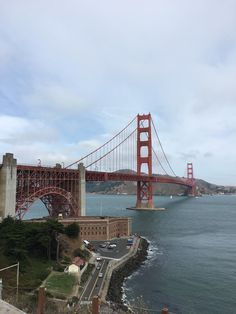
(102, 228)
(6, 308)
(82, 189)
(8, 186)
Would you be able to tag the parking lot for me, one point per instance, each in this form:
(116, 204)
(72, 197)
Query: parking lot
(115, 248)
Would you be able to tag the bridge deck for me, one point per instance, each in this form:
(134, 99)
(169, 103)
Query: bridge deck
(109, 176)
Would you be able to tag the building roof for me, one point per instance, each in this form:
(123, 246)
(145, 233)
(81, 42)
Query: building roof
(78, 261)
(73, 268)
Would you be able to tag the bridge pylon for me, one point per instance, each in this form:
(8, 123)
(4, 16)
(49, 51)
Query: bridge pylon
(191, 180)
(8, 186)
(144, 157)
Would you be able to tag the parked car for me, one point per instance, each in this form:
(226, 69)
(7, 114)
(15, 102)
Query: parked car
(86, 242)
(113, 245)
(99, 259)
(100, 275)
(102, 245)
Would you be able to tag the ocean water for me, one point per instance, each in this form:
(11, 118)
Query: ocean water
(191, 265)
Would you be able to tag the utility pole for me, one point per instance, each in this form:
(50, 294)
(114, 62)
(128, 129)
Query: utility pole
(57, 239)
(17, 280)
(0, 288)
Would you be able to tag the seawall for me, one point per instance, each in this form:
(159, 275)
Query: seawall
(124, 270)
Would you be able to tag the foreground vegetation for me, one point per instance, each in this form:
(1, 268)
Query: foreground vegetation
(35, 246)
(60, 284)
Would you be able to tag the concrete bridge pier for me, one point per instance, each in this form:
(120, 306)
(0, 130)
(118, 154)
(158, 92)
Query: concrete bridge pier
(8, 186)
(79, 192)
(82, 189)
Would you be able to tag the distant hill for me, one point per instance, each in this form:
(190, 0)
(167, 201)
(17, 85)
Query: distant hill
(110, 187)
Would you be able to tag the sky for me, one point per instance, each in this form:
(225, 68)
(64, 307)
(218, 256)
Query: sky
(74, 73)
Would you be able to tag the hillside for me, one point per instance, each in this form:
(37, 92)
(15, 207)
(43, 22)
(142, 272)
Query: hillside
(203, 187)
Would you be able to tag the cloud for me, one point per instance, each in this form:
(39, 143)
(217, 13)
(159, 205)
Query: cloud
(20, 131)
(55, 99)
(72, 73)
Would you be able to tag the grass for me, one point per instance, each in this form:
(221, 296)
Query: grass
(60, 284)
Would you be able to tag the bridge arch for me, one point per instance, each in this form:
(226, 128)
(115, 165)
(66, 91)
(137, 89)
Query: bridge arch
(57, 200)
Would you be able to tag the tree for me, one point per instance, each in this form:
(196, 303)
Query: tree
(19, 239)
(72, 230)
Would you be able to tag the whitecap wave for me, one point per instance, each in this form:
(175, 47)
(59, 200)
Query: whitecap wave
(152, 252)
(126, 299)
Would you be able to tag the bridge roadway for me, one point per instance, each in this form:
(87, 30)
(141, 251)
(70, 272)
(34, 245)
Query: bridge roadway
(119, 176)
(108, 176)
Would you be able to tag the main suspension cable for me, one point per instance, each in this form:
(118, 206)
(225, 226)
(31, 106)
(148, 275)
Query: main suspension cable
(158, 160)
(163, 149)
(115, 136)
(112, 149)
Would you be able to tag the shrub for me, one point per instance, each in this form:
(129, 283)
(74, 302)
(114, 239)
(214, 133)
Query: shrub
(81, 253)
(72, 230)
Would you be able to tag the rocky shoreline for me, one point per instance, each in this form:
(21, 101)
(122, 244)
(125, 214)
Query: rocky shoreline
(115, 288)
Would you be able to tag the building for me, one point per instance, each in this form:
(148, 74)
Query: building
(101, 228)
(73, 269)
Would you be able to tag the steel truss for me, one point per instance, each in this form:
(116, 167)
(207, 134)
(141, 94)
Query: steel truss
(56, 187)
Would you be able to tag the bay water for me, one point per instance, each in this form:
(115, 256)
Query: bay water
(191, 265)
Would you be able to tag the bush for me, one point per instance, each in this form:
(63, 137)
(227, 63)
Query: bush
(66, 260)
(81, 253)
(58, 267)
(72, 230)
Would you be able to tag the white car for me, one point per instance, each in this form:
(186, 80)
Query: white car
(113, 245)
(100, 275)
(98, 259)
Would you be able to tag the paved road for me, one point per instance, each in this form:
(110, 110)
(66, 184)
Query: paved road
(95, 283)
(119, 251)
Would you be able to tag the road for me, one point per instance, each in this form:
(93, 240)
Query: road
(118, 252)
(95, 283)
(107, 254)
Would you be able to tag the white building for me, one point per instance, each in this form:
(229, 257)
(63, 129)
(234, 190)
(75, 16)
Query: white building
(73, 269)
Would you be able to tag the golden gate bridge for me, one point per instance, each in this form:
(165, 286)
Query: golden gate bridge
(133, 154)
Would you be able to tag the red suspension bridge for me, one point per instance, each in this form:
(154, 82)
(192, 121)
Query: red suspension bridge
(134, 154)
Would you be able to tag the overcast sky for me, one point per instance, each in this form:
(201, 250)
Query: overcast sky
(73, 73)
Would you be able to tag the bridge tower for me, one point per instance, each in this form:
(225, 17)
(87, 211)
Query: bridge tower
(144, 157)
(191, 180)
